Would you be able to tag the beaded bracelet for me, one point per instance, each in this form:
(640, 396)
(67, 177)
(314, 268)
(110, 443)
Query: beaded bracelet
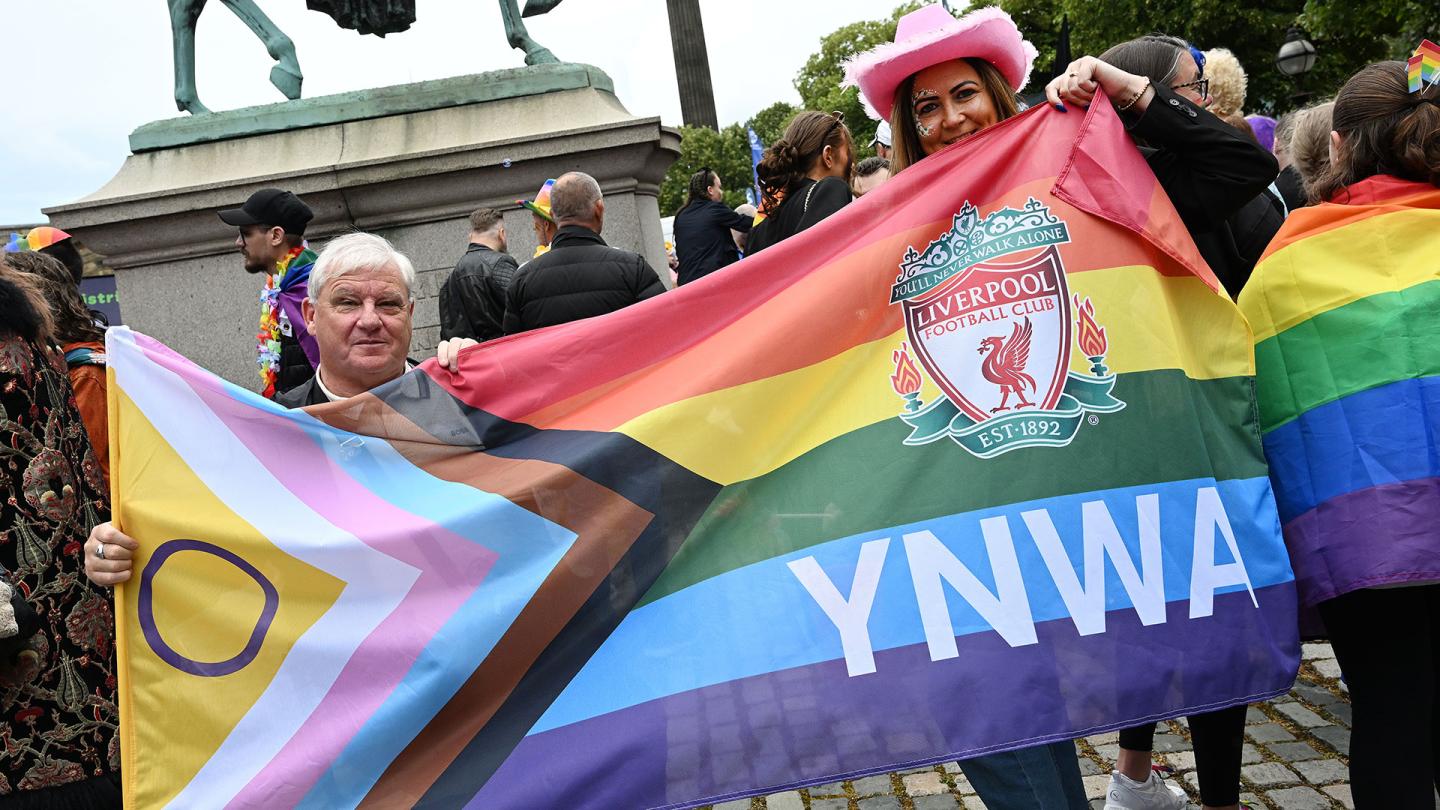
(1131, 103)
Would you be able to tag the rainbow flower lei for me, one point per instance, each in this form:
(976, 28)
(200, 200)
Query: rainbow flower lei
(267, 340)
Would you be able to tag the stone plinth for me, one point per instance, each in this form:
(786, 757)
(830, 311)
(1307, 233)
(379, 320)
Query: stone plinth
(383, 161)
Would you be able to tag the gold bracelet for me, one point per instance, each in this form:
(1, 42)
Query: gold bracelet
(1131, 103)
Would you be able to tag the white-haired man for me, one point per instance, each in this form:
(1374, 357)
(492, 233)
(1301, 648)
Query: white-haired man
(359, 309)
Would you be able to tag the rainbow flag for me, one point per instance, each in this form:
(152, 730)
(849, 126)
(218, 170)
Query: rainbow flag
(970, 466)
(1347, 354)
(1423, 67)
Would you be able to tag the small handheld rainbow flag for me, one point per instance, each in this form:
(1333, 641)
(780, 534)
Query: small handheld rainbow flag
(1424, 66)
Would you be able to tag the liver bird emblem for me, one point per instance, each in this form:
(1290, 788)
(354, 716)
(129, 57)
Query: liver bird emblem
(1005, 365)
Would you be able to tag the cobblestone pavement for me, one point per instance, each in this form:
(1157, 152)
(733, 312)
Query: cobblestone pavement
(1295, 758)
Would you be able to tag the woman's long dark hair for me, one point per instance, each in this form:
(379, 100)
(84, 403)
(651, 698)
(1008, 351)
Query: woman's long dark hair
(73, 322)
(700, 183)
(1384, 129)
(786, 162)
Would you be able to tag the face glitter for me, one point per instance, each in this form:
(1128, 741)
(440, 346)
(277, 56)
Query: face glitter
(923, 130)
(922, 93)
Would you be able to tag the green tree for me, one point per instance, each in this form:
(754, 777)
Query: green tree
(770, 122)
(1253, 29)
(818, 82)
(727, 153)
(1400, 23)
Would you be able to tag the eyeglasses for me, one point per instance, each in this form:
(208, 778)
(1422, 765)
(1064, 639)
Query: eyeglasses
(1202, 87)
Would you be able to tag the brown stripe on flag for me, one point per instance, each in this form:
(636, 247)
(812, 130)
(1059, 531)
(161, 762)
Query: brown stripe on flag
(605, 523)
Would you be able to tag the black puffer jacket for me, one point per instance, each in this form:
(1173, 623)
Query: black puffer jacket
(580, 277)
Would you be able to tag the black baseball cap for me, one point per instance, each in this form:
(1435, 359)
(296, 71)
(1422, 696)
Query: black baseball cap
(273, 207)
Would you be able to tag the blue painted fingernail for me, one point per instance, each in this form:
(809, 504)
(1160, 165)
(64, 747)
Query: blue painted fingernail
(1060, 106)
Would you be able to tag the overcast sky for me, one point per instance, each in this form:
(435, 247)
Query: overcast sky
(81, 74)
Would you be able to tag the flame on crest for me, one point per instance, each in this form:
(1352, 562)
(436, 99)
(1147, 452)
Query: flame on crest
(906, 379)
(1090, 335)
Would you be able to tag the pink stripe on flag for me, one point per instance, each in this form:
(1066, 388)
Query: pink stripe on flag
(451, 567)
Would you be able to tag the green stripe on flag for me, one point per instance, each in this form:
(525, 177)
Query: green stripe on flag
(1362, 345)
(868, 480)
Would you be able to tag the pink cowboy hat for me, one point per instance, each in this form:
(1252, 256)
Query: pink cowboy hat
(929, 36)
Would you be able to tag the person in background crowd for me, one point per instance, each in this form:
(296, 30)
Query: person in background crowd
(1216, 177)
(580, 276)
(57, 693)
(881, 142)
(1288, 182)
(543, 223)
(1228, 84)
(870, 173)
(54, 243)
(272, 241)
(804, 177)
(702, 229)
(82, 342)
(1310, 147)
(1372, 561)
(748, 211)
(472, 302)
(1263, 127)
(940, 81)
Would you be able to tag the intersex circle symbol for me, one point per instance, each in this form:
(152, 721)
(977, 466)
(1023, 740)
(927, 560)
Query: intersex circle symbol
(204, 669)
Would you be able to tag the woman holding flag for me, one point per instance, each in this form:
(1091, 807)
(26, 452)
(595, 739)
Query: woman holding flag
(945, 79)
(1344, 310)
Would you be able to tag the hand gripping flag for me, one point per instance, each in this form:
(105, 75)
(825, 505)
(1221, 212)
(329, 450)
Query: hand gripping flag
(971, 465)
(1347, 358)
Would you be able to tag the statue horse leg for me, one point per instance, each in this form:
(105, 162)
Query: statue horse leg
(286, 75)
(183, 15)
(518, 37)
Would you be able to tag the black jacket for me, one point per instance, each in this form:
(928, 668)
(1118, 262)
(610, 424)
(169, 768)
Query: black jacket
(306, 393)
(802, 207)
(703, 243)
(295, 367)
(472, 302)
(580, 277)
(1217, 179)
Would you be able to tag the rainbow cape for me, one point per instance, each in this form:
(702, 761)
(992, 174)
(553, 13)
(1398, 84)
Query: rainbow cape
(972, 465)
(1343, 304)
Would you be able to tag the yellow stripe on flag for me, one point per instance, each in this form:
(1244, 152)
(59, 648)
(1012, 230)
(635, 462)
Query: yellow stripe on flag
(204, 608)
(1295, 293)
(1152, 322)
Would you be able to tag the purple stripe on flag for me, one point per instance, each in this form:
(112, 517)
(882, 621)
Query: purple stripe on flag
(1377, 536)
(815, 724)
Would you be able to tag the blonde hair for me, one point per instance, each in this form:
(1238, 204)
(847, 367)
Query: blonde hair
(1310, 146)
(1227, 82)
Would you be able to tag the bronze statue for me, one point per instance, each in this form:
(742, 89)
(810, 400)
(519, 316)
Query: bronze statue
(379, 17)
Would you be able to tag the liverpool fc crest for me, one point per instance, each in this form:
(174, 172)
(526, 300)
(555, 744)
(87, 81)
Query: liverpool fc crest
(989, 315)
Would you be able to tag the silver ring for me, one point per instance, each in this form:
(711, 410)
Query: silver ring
(100, 551)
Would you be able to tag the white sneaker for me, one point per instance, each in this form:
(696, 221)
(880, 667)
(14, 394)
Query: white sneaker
(1125, 793)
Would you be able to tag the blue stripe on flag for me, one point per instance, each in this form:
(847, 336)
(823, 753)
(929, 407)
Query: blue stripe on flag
(1381, 436)
(760, 619)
